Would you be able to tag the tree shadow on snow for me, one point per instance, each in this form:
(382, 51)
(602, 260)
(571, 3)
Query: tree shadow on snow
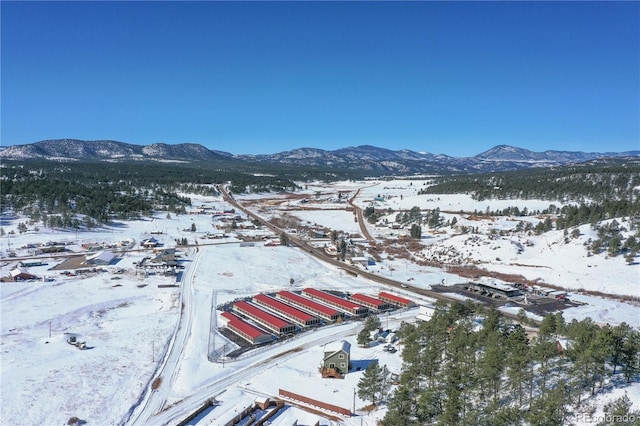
(118, 225)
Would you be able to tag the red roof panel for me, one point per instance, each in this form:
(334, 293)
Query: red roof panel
(308, 302)
(263, 315)
(289, 310)
(333, 299)
(368, 299)
(241, 325)
(394, 298)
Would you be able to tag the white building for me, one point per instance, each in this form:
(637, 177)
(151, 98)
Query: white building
(425, 313)
(101, 258)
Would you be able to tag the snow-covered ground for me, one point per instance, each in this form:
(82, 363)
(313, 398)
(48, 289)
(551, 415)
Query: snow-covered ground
(550, 257)
(138, 328)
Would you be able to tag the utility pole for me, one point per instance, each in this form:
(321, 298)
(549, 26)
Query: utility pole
(354, 401)
(214, 313)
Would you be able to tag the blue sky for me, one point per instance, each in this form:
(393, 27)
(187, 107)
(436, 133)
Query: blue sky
(263, 77)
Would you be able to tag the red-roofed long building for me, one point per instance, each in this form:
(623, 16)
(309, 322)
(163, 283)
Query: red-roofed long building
(335, 301)
(245, 330)
(264, 318)
(323, 311)
(398, 301)
(287, 311)
(371, 302)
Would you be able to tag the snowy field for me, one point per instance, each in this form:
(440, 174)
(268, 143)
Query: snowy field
(138, 328)
(546, 257)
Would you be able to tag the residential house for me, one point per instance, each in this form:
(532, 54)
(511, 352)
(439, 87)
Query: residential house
(336, 360)
(166, 256)
(21, 274)
(149, 243)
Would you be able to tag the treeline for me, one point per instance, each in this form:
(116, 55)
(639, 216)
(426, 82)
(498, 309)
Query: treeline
(598, 191)
(463, 371)
(72, 195)
(597, 181)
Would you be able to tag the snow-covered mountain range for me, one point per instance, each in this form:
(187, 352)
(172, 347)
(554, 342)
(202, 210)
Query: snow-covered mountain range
(364, 157)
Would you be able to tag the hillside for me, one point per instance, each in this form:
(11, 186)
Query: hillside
(363, 158)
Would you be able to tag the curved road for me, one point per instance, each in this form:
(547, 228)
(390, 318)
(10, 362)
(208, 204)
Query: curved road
(322, 255)
(152, 409)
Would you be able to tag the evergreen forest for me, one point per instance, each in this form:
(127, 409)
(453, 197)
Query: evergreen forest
(594, 191)
(469, 366)
(88, 194)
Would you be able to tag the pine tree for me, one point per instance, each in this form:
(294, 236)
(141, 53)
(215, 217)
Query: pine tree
(550, 410)
(492, 364)
(373, 382)
(401, 408)
(415, 231)
(619, 334)
(364, 337)
(372, 323)
(631, 355)
(518, 360)
(620, 412)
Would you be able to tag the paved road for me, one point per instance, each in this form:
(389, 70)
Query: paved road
(152, 407)
(153, 401)
(262, 361)
(361, 220)
(322, 255)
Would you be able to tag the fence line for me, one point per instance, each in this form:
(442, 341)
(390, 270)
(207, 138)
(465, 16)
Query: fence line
(314, 402)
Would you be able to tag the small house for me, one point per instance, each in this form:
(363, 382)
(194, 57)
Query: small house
(149, 243)
(21, 274)
(336, 360)
(167, 256)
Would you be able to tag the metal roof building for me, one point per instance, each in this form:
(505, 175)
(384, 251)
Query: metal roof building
(398, 301)
(335, 301)
(264, 318)
(323, 311)
(371, 302)
(295, 315)
(425, 313)
(104, 257)
(245, 330)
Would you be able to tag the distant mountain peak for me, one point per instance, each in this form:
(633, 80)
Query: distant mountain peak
(363, 157)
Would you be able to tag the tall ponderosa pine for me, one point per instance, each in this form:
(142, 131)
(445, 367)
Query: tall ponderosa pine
(374, 383)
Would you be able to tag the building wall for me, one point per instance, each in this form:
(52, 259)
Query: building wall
(341, 364)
